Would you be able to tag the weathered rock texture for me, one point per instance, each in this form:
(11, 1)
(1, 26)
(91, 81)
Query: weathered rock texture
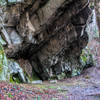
(50, 34)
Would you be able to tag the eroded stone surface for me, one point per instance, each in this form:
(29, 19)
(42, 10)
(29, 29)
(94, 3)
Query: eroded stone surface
(50, 34)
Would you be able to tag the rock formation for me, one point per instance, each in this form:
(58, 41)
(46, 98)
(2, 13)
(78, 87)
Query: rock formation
(47, 35)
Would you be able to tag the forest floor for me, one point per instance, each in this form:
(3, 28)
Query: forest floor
(83, 87)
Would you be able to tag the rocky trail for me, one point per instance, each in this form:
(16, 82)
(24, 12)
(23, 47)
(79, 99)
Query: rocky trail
(83, 87)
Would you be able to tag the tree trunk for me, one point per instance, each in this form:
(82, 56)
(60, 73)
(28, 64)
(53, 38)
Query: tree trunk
(97, 8)
(49, 33)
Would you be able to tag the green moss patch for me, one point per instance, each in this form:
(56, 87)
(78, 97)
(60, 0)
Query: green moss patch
(86, 58)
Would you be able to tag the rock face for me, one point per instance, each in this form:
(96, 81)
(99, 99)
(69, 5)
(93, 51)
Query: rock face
(49, 34)
(3, 64)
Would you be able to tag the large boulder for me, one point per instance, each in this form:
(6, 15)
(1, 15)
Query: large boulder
(50, 34)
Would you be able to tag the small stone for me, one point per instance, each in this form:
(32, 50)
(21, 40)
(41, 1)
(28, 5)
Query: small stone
(37, 82)
(53, 81)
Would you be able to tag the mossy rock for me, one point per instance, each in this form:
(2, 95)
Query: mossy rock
(85, 61)
(34, 77)
(61, 76)
(86, 58)
(14, 78)
(3, 64)
(19, 75)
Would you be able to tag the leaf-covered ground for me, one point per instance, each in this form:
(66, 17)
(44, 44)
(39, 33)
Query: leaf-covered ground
(84, 87)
